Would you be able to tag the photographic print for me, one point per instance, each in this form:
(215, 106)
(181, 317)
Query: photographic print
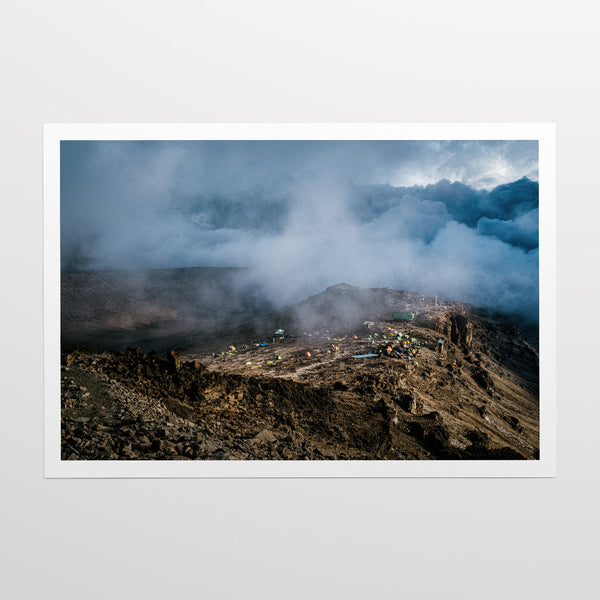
(297, 300)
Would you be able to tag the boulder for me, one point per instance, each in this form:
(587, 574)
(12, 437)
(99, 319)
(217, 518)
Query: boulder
(478, 438)
(264, 437)
(174, 359)
(411, 402)
(483, 379)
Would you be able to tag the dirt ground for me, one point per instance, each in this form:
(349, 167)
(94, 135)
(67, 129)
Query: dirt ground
(305, 395)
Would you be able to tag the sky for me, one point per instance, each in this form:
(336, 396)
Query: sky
(457, 219)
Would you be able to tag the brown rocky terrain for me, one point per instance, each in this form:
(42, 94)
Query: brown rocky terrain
(239, 391)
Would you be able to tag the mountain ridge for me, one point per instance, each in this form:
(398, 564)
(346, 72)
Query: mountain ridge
(239, 391)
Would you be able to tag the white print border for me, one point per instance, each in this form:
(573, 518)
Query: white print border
(544, 133)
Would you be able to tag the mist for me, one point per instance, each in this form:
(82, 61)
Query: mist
(454, 219)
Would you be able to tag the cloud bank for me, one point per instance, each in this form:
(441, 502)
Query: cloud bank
(306, 215)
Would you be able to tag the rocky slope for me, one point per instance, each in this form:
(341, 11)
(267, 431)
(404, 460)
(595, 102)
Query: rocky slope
(241, 394)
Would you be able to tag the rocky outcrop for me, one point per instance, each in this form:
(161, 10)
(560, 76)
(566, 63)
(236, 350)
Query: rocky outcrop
(461, 332)
(483, 379)
(456, 327)
(174, 359)
(129, 405)
(410, 402)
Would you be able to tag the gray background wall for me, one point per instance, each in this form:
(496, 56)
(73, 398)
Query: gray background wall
(304, 61)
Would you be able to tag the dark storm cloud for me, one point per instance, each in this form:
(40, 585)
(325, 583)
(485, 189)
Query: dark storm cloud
(521, 231)
(305, 215)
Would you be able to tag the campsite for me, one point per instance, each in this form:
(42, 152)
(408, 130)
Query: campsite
(346, 374)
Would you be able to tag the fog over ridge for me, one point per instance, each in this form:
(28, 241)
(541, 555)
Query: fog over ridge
(307, 215)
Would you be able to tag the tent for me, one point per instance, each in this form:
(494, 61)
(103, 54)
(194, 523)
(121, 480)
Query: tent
(403, 316)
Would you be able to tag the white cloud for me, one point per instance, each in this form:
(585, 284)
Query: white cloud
(137, 205)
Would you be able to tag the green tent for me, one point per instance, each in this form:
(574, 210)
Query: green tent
(403, 316)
